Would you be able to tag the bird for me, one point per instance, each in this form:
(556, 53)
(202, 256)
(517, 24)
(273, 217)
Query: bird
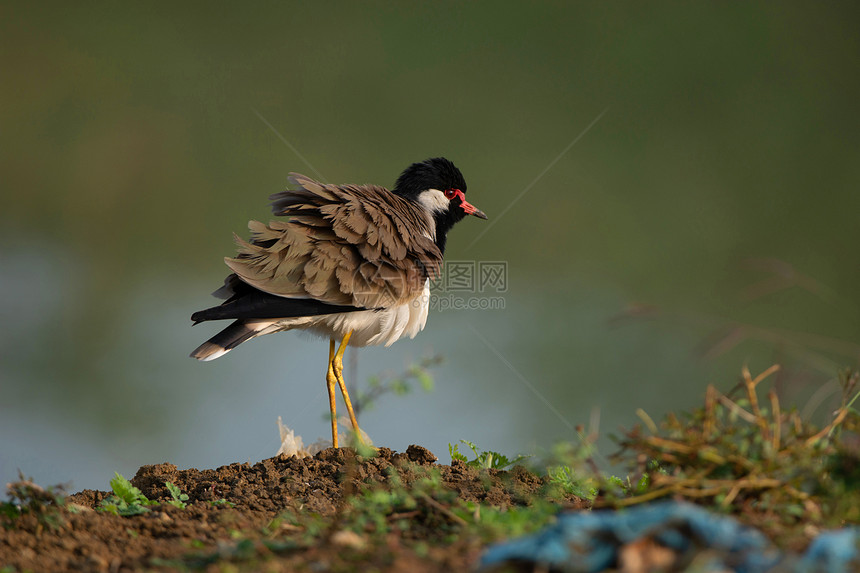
(349, 262)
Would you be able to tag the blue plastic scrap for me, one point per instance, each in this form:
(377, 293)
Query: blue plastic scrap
(592, 541)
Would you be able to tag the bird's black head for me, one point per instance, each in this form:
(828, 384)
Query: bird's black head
(436, 173)
(438, 186)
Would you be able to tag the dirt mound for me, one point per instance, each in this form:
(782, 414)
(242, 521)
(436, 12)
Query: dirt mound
(233, 513)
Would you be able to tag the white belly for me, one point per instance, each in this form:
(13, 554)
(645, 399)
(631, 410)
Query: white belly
(369, 327)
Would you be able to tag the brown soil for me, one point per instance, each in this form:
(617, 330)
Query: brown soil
(246, 534)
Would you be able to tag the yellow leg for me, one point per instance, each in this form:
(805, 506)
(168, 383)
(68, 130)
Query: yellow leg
(337, 365)
(331, 379)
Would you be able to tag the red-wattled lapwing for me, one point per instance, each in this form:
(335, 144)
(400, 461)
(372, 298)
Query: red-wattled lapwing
(352, 262)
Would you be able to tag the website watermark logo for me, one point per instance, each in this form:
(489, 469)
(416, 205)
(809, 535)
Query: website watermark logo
(470, 285)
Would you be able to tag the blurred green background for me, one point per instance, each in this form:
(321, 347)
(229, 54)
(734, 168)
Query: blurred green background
(706, 220)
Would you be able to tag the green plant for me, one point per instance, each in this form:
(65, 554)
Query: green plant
(492, 523)
(564, 479)
(222, 501)
(178, 498)
(483, 459)
(126, 500)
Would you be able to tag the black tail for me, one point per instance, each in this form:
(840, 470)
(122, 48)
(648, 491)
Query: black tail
(244, 301)
(228, 339)
(255, 311)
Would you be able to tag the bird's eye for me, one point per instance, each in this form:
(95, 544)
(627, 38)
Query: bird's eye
(451, 193)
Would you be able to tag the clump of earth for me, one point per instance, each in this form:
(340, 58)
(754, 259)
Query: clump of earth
(233, 518)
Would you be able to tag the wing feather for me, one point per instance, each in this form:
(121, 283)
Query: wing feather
(362, 246)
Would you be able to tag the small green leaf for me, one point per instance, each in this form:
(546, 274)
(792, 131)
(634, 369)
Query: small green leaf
(126, 499)
(454, 451)
(425, 380)
(178, 498)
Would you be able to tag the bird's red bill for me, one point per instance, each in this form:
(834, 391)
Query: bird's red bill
(472, 210)
(469, 208)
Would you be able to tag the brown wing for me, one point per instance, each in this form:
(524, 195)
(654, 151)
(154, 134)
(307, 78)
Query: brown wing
(343, 244)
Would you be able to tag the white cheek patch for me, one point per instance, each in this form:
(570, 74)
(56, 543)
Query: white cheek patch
(433, 200)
